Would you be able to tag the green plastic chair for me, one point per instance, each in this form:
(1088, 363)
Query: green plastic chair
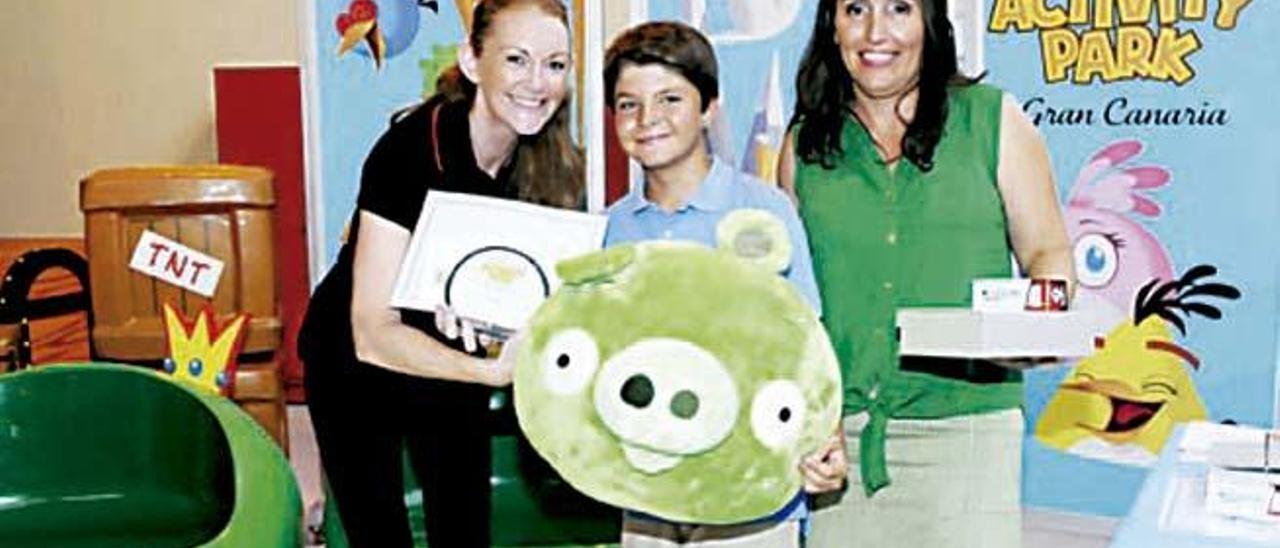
(107, 455)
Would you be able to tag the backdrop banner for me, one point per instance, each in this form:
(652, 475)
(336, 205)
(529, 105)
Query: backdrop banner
(1159, 123)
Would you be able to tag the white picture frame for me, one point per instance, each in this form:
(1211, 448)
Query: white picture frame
(491, 260)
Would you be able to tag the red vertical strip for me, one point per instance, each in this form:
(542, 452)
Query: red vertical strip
(616, 180)
(259, 122)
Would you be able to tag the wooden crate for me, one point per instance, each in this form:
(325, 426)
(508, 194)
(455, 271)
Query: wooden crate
(223, 211)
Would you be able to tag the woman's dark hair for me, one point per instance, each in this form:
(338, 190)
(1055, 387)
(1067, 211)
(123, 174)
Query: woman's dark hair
(549, 166)
(824, 89)
(671, 44)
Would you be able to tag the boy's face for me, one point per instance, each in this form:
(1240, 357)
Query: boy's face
(658, 116)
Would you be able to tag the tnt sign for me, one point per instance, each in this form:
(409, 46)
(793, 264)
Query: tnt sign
(172, 262)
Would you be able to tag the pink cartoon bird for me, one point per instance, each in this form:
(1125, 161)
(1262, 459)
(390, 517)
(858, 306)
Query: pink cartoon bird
(1114, 254)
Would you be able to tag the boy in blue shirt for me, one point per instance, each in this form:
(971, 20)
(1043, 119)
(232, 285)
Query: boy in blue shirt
(661, 82)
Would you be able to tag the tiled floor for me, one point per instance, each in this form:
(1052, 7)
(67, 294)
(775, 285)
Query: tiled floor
(1044, 529)
(1041, 529)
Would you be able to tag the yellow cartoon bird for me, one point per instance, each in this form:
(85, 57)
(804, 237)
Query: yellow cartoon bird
(1121, 402)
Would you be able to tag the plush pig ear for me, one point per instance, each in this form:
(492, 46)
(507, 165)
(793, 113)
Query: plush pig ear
(596, 267)
(756, 236)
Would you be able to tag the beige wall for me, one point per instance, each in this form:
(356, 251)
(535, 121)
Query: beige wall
(87, 84)
(617, 17)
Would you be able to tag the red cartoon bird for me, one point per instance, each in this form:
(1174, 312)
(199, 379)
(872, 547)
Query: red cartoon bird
(360, 22)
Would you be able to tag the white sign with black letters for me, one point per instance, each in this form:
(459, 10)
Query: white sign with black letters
(174, 263)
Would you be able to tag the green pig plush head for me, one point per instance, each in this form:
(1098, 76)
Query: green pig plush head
(678, 380)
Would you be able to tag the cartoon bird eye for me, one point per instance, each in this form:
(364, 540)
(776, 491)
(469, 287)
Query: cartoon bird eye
(777, 414)
(1160, 386)
(569, 361)
(1097, 258)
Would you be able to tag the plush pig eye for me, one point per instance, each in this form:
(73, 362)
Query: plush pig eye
(777, 414)
(569, 361)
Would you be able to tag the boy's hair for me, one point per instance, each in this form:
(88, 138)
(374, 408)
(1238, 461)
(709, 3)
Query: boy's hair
(674, 45)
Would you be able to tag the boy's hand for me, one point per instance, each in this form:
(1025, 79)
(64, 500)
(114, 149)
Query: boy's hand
(508, 352)
(825, 469)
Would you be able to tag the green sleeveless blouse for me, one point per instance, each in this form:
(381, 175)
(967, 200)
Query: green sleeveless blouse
(885, 239)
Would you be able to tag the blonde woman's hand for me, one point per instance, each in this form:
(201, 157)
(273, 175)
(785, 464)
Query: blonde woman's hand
(455, 327)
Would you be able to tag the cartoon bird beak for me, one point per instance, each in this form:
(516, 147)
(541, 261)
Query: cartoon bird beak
(371, 34)
(355, 33)
(1129, 411)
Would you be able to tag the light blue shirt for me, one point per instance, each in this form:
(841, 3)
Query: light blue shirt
(635, 219)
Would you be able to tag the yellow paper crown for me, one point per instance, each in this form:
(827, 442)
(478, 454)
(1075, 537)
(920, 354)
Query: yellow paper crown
(200, 351)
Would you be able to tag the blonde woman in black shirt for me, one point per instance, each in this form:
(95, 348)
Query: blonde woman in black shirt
(380, 379)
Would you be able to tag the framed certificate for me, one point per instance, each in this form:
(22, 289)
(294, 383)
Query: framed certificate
(491, 260)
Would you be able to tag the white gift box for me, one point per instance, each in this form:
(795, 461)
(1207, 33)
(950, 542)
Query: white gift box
(975, 334)
(1244, 476)
(1244, 494)
(999, 294)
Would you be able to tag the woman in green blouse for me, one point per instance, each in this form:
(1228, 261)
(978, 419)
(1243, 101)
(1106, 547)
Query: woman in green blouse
(912, 181)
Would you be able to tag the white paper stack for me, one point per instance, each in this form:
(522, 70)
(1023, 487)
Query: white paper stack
(1246, 451)
(1213, 501)
(1242, 494)
(1204, 440)
(1244, 476)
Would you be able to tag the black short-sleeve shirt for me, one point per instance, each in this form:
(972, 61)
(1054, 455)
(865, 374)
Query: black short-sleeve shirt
(427, 147)
(406, 161)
